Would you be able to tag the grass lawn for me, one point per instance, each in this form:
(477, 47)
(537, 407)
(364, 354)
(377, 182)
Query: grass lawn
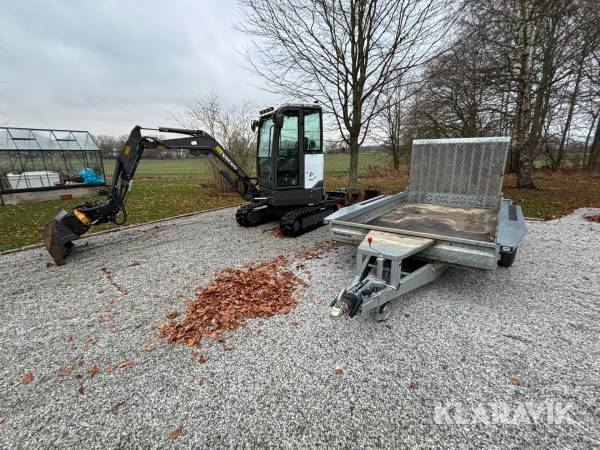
(168, 188)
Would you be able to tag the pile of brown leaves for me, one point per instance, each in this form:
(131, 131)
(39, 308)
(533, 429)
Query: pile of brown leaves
(236, 295)
(592, 218)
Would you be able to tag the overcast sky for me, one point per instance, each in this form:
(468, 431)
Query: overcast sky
(107, 65)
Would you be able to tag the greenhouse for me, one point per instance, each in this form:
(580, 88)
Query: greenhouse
(39, 160)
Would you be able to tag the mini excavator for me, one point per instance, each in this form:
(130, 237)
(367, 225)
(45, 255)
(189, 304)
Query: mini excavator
(288, 183)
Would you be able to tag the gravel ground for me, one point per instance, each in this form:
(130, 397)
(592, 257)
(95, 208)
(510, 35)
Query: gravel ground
(509, 358)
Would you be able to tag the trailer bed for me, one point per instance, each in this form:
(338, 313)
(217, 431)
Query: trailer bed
(454, 197)
(474, 224)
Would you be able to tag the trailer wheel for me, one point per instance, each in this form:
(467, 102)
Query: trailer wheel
(383, 312)
(507, 258)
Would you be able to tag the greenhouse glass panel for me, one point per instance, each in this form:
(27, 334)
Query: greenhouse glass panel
(37, 159)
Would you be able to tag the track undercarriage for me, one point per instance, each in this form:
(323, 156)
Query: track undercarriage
(294, 221)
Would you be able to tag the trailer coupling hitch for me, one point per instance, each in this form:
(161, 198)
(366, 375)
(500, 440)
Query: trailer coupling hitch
(347, 303)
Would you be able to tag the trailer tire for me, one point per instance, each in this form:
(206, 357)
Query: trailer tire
(507, 258)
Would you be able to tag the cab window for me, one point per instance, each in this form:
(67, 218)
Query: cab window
(288, 161)
(312, 131)
(265, 140)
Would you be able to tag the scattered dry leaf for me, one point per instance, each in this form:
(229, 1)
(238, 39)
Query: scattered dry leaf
(317, 251)
(69, 339)
(81, 390)
(2, 419)
(109, 368)
(407, 315)
(339, 372)
(444, 366)
(515, 381)
(413, 385)
(275, 231)
(203, 359)
(78, 376)
(65, 372)
(172, 315)
(294, 323)
(387, 326)
(125, 365)
(175, 434)
(50, 264)
(135, 263)
(109, 276)
(26, 378)
(317, 302)
(200, 381)
(147, 348)
(91, 340)
(93, 370)
(592, 217)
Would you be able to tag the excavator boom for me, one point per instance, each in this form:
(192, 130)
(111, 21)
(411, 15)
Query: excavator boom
(60, 232)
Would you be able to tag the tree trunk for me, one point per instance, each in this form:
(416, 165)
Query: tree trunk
(524, 176)
(594, 156)
(523, 122)
(587, 140)
(396, 156)
(353, 168)
(572, 102)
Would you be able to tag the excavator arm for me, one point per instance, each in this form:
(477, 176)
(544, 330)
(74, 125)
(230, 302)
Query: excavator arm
(66, 227)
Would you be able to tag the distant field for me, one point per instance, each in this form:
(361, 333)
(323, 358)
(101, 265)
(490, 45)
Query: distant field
(335, 165)
(162, 188)
(168, 188)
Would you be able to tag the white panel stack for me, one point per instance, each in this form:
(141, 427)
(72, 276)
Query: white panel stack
(28, 180)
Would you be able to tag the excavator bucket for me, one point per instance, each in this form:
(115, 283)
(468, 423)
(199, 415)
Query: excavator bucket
(60, 233)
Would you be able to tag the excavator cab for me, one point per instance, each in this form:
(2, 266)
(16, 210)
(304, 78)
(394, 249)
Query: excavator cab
(289, 156)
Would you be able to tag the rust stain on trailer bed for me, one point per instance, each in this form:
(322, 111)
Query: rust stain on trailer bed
(464, 223)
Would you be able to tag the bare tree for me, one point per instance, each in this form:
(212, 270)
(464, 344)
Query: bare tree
(392, 120)
(110, 145)
(344, 53)
(229, 125)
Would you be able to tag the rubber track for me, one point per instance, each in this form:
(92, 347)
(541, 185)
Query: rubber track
(241, 215)
(288, 219)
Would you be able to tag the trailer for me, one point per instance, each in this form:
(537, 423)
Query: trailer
(453, 214)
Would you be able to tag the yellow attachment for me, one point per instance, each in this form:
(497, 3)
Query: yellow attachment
(82, 217)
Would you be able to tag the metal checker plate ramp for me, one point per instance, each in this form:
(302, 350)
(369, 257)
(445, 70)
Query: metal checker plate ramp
(464, 172)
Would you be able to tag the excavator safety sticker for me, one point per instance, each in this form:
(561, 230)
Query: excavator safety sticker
(126, 150)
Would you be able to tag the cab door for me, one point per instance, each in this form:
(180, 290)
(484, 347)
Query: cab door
(312, 146)
(288, 157)
(264, 159)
